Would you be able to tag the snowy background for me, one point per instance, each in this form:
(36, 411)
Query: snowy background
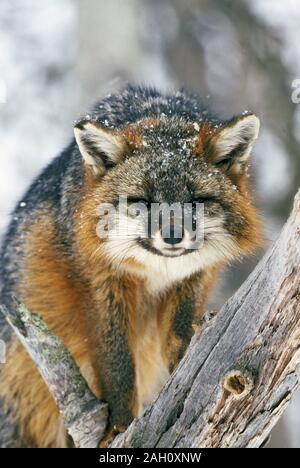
(58, 56)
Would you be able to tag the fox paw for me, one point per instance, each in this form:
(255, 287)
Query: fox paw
(109, 437)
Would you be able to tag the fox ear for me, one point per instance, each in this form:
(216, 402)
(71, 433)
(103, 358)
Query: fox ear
(100, 147)
(232, 145)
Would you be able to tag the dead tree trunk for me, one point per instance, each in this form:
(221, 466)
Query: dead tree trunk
(236, 378)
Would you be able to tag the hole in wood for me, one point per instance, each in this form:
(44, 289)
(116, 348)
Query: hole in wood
(237, 383)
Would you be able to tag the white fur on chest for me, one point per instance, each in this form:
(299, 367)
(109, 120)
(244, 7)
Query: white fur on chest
(151, 370)
(163, 272)
(160, 272)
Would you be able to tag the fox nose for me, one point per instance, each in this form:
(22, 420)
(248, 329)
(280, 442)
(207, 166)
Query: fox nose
(172, 239)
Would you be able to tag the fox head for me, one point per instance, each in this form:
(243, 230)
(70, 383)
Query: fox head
(179, 190)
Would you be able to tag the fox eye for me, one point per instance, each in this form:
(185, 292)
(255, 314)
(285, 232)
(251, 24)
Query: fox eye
(139, 200)
(225, 163)
(201, 200)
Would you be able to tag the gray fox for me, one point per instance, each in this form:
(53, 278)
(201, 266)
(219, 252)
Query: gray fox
(125, 305)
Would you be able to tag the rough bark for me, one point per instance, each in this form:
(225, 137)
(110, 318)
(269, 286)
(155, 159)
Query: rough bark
(233, 384)
(84, 416)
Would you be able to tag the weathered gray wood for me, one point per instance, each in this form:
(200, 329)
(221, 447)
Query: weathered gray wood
(234, 382)
(240, 372)
(84, 416)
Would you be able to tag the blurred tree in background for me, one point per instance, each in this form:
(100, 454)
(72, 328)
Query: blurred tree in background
(58, 56)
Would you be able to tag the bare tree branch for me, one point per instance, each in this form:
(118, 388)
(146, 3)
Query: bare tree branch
(84, 416)
(233, 384)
